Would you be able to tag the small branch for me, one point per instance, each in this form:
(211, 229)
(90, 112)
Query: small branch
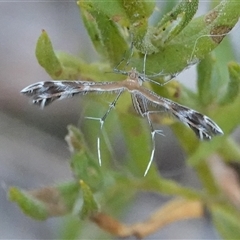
(175, 210)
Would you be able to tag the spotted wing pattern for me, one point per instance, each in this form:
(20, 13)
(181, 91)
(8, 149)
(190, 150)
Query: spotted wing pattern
(44, 93)
(202, 126)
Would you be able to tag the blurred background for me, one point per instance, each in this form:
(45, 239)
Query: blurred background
(33, 152)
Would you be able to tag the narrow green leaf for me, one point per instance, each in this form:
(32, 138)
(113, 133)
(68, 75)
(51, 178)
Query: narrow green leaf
(28, 204)
(233, 85)
(75, 68)
(46, 202)
(226, 221)
(104, 33)
(68, 194)
(89, 204)
(175, 20)
(165, 7)
(114, 10)
(61, 65)
(230, 150)
(138, 13)
(70, 228)
(84, 166)
(223, 54)
(207, 179)
(88, 169)
(205, 74)
(46, 56)
(164, 186)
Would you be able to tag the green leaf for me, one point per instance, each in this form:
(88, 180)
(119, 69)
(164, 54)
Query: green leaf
(28, 204)
(89, 204)
(171, 187)
(84, 166)
(104, 33)
(194, 42)
(175, 20)
(206, 89)
(46, 202)
(207, 179)
(114, 10)
(233, 85)
(68, 194)
(46, 56)
(70, 228)
(61, 65)
(75, 68)
(230, 151)
(88, 169)
(138, 13)
(103, 18)
(226, 221)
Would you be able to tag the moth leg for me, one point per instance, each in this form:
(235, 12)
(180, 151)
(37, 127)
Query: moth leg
(131, 51)
(124, 58)
(102, 120)
(144, 66)
(153, 132)
(166, 77)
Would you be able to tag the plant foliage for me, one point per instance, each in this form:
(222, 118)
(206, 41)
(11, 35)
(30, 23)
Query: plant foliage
(174, 42)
